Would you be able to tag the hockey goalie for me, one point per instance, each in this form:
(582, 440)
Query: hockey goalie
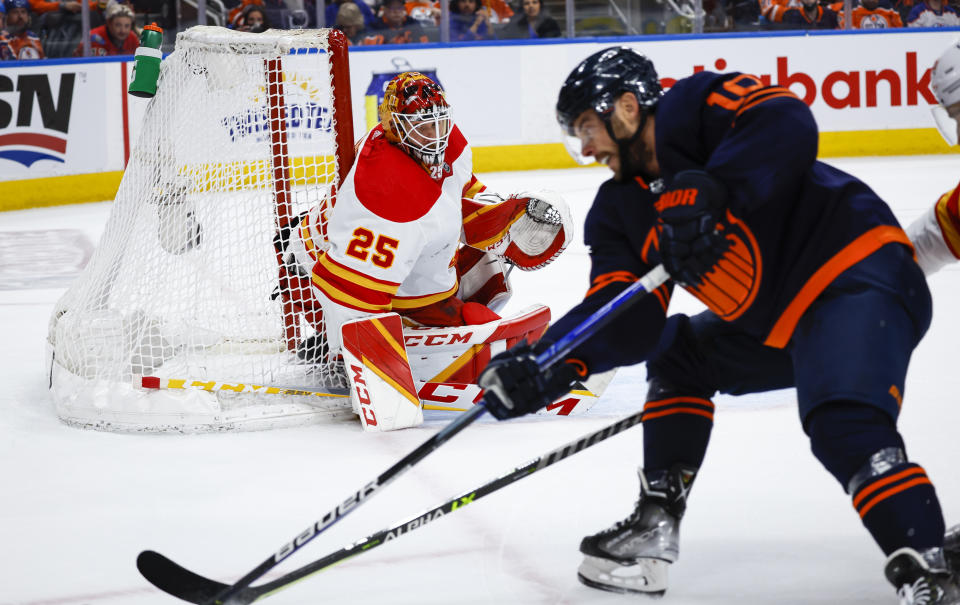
(407, 263)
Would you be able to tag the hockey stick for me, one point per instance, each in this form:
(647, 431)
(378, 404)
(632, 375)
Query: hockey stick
(553, 354)
(152, 564)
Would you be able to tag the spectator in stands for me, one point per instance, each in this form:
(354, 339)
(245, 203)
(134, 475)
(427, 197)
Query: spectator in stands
(350, 22)
(469, 21)
(774, 10)
(933, 13)
(332, 9)
(396, 27)
(115, 37)
(427, 12)
(253, 19)
(716, 17)
(3, 15)
(236, 13)
(17, 42)
(745, 13)
(904, 7)
(499, 10)
(869, 15)
(810, 15)
(42, 7)
(534, 23)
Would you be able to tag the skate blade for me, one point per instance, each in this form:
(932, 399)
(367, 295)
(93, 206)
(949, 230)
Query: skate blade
(647, 576)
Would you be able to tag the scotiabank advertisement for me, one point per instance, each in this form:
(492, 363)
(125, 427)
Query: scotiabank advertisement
(72, 117)
(506, 94)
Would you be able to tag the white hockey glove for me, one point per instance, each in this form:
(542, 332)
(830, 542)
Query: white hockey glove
(540, 234)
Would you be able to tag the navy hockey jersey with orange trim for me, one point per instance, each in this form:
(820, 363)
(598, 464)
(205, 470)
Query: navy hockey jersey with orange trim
(796, 223)
(620, 231)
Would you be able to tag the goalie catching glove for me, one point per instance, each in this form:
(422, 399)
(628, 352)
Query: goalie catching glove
(538, 229)
(515, 384)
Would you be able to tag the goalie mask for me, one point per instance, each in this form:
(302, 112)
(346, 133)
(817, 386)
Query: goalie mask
(945, 82)
(415, 115)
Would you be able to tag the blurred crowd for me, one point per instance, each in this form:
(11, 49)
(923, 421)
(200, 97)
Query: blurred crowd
(34, 29)
(828, 14)
(37, 29)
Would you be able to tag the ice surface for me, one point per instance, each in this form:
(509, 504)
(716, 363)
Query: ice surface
(766, 523)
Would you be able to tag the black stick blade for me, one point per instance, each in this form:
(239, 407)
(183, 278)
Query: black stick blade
(175, 580)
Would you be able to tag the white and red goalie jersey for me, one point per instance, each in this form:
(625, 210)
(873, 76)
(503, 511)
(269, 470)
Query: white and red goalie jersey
(936, 233)
(392, 241)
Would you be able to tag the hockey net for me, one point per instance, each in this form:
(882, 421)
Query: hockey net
(246, 132)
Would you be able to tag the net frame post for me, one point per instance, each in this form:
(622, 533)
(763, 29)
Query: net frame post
(281, 180)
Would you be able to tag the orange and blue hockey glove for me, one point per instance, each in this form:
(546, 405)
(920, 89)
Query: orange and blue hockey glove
(691, 238)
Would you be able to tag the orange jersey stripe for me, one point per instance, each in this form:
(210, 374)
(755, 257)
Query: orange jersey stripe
(916, 470)
(854, 252)
(579, 366)
(892, 492)
(753, 103)
(652, 240)
(671, 411)
(605, 279)
(663, 296)
(672, 400)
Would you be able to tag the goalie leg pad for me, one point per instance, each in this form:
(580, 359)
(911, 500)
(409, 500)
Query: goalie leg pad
(382, 389)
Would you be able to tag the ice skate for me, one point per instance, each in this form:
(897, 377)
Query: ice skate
(633, 555)
(951, 548)
(922, 578)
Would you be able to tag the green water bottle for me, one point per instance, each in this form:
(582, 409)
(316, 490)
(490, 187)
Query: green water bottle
(146, 63)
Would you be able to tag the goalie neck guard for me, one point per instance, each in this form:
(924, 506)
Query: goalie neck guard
(415, 116)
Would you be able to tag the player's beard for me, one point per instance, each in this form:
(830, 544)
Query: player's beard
(18, 28)
(633, 156)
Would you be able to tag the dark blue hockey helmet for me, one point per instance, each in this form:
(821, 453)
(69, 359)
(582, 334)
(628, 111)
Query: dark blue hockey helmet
(601, 78)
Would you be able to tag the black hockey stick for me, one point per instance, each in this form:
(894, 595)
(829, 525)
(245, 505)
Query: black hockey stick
(152, 564)
(187, 591)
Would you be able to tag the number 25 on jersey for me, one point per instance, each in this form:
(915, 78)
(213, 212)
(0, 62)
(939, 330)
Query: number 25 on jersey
(384, 247)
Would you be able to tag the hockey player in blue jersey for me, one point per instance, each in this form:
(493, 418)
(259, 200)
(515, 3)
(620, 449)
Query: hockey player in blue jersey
(810, 283)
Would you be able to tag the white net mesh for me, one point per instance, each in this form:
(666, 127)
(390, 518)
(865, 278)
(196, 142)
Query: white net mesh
(185, 283)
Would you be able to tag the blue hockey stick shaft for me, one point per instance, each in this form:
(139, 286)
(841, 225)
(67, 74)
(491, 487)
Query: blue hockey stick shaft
(556, 352)
(602, 316)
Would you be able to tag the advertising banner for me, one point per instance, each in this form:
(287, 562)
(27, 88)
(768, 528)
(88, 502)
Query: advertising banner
(868, 90)
(59, 119)
(506, 94)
